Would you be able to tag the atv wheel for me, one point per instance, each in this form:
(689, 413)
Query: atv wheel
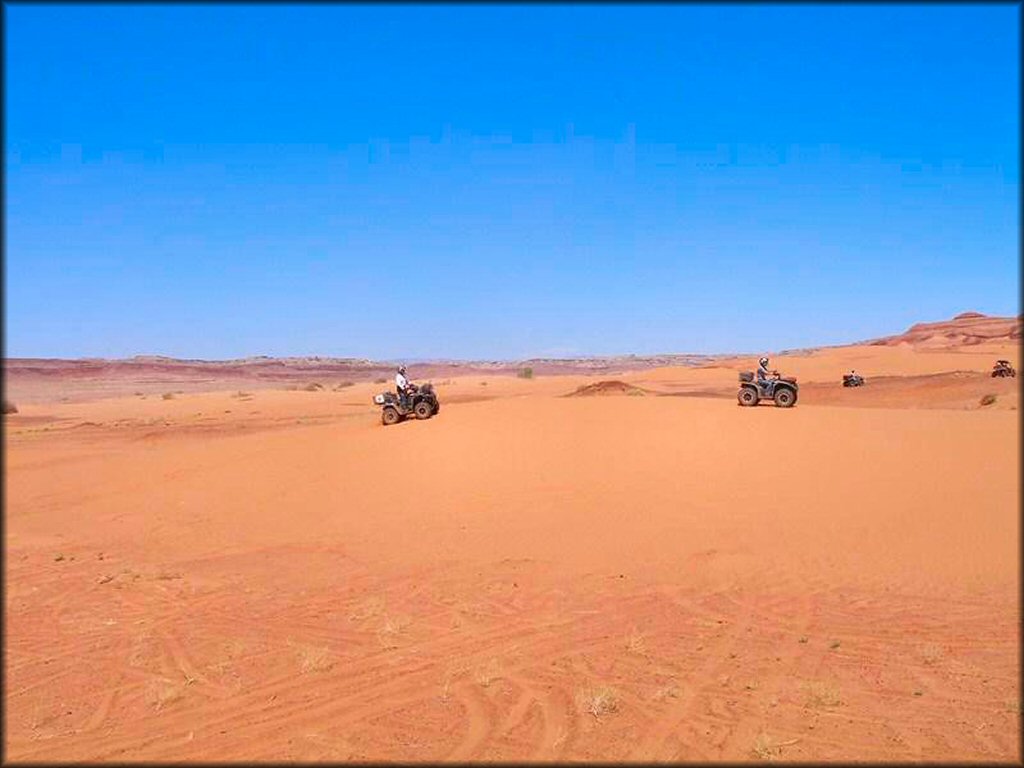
(423, 410)
(437, 408)
(390, 416)
(785, 398)
(747, 396)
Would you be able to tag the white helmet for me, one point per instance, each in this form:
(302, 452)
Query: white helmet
(763, 362)
(401, 369)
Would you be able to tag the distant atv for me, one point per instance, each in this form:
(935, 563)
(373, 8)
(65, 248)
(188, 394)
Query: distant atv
(1003, 368)
(422, 404)
(853, 380)
(752, 391)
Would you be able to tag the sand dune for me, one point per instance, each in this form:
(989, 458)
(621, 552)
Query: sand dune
(273, 575)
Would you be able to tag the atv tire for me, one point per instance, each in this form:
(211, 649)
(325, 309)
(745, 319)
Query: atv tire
(785, 398)
(390, 415)
(423, 410)
(747, 396)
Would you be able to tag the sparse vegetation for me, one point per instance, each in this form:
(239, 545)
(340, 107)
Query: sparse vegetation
(821, 694)
(380, 381)
(834, 644)
(167, 396)
(635, 643)
(343, 384)
(313, 386)
(312, 658)
(668, 691)
(387, 635)
(766, 749)
(931, 653)
(525, 373)
(487, 674)
(598, 701)
(163, 692)
(10, 407)
(988, 400)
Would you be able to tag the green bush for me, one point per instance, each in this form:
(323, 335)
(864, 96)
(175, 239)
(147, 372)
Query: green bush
(525, 373)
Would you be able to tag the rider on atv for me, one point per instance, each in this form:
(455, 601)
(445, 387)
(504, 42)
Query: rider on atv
(764, 377)
(404, 387)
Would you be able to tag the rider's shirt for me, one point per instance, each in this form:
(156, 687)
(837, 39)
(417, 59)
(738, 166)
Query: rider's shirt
(762, 372)
(401, 382)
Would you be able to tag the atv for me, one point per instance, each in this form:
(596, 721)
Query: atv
(781, 389)
(853, 380)
(421, 403)
(1003, 368)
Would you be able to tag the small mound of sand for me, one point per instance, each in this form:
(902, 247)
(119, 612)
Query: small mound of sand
(607, 388)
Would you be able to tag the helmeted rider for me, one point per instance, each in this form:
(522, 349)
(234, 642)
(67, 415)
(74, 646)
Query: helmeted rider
(403, 385)
(764, 376)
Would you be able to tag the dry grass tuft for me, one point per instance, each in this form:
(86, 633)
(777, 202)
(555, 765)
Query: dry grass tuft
(389, 630)
(766, 749)
(598, 701)
(667, 691)
(372, 606)
(488, 673)
(163, 692)
(313, 658)
(167, 396)
(313, 386)
(931, 653)
(635, 643)
(822, 694)
(987, 400)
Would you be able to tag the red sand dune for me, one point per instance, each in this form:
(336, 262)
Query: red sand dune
(273, 575)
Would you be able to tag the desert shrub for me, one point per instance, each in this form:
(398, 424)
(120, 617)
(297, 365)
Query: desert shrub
(313, 386)
(988, 399)
(380, 381)
(525, 373)
(343, 384)
(10, 407)
(167, 395)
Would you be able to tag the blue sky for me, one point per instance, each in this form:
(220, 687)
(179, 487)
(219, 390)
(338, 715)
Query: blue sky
(503, 181)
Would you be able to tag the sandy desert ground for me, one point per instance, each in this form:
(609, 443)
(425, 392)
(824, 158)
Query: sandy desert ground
(275, 576)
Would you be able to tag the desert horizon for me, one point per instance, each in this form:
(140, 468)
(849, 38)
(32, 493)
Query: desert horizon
(572, 566)
(512, 383)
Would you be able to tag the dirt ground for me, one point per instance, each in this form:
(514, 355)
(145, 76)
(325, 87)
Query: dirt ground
(654, 575)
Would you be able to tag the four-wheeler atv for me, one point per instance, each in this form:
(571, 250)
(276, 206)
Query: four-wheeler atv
(1003, 368)
(422, 403)
(781, 389)
(853, 380)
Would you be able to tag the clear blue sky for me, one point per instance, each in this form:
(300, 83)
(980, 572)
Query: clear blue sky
(500, 181)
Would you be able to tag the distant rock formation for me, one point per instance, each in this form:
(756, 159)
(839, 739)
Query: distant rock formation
(966, 329)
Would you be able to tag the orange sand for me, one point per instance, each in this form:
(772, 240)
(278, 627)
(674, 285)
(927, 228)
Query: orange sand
(525, 576)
